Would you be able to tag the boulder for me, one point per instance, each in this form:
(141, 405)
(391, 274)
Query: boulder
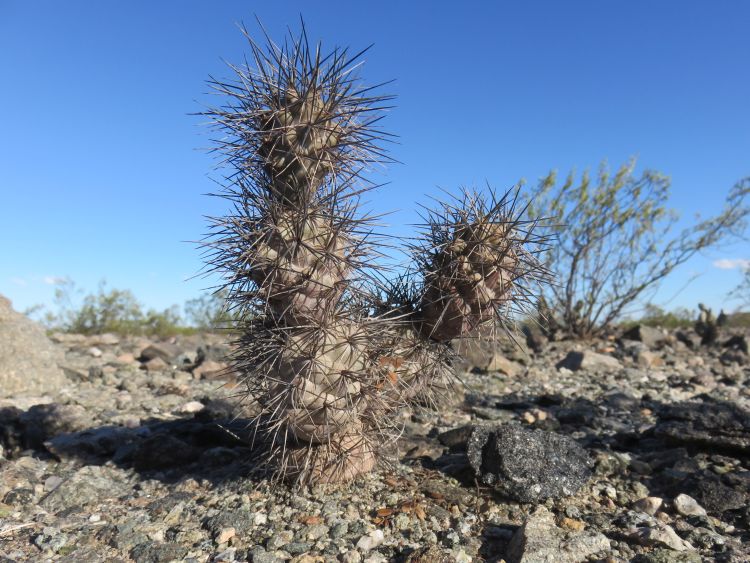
(29, 361)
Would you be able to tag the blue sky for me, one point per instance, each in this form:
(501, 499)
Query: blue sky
(102, 173)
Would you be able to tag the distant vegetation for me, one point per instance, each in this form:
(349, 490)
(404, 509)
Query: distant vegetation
(119, 311)
(657, 317)
(616, 243)
(742, 291)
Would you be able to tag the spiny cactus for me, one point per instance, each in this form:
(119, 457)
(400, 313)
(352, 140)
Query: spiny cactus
(329, 347)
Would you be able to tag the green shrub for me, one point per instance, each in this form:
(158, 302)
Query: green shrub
(617, 241)
(110, 310)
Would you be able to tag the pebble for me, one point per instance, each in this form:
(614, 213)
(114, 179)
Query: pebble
(371, 540)
(688, 506)
(661, 535)
(351, 556)
(649, 505)
(192, 407)
(225, 534)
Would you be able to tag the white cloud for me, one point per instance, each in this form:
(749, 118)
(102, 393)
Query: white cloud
(19, 281)
(53, 280)
(732, 263)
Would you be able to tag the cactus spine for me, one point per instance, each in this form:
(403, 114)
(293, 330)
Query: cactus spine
(328, 350)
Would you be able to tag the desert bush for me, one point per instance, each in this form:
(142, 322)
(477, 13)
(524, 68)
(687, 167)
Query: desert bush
(209, 312)
(617, 241)
(742, 291)
(109, 310)
(656, 316)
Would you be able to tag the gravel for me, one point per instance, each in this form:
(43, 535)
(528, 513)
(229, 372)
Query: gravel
(615, 462)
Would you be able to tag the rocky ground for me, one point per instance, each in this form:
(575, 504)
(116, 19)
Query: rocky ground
(624, 450)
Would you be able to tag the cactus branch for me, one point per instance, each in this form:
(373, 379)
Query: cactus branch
(329, 348)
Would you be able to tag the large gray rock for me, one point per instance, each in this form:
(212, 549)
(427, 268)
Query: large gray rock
(480, 350)
(650, 336)
(87, 486)
(539, 540)
(528, 465)
(29, 361)
(589, 360)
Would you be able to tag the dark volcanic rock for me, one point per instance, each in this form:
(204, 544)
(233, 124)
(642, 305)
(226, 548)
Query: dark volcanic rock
(709, 424)
(712, 494)
(162, 451)
(739, 342)
(688, 338)
(42, 422)
(456, 437)
(163, 350)
(535, 338)
(528, 465)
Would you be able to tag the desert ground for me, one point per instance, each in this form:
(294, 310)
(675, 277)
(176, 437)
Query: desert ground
(635, 448)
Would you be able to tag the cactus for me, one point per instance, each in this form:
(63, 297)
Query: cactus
(329, 347)
(707, 325)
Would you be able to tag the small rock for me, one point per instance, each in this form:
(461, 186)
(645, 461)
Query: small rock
(260, 555)
(51, 540)
(351, 556)
(371, 540)
(126, 358)
(662, 555)
(210, 370)
(192, 407)
(648, 359)
(589, 360)
(456, 437)
(52, 482)
(226, 556)
(504, 365)
(88, 485)
(430, 554)
(650, 336)
(156, 364)
(648, 505)
(42, 422)
(539, 540)
(163, 350)
(224, 535)
(661, 535)
(707, 424)
(94, 352)
(571, 524)
(158, 552)
(688, 506)
(162, 451)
